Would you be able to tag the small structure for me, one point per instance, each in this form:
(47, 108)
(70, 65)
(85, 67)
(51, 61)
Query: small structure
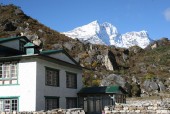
(94, 99)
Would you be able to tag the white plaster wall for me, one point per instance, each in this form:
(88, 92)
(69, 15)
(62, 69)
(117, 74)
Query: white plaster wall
(61, 56)
(61, 91)
(27, 80)
(25, 89)
(12, 44)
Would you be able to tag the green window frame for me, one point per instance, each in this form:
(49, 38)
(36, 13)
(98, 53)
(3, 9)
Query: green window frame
(71, 102)
(9, 104)
(52, 77)
(71, 80)
(9, 73)
(51, 102)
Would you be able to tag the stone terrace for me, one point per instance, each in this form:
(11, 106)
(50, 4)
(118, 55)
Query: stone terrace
(54, 111)
(159, 106)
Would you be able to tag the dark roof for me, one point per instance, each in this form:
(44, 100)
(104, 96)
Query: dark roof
(13, 38)
(102, 90)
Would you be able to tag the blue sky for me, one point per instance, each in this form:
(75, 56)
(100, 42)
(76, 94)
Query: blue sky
(127, 15)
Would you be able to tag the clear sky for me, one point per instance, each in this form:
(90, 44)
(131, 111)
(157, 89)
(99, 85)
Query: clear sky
(127, 15)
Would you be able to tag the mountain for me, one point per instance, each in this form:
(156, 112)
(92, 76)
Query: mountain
(107, 34)
(98, 61)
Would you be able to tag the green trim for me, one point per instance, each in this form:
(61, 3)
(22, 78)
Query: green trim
(10, 85)
(51, 68)
(51, 97)
(13, 38)
(29, 44)
(71, 97)
(51, 51)
(111, 89)
(9, 97)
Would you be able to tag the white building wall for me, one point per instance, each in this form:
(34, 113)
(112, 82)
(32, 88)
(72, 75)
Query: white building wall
(25, 89)
(27, 81)
(62, 92)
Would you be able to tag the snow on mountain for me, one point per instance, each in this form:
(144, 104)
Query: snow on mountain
(130, 39)
(107, 34)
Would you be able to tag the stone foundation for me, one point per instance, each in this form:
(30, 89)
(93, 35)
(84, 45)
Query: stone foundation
(54, 111)
(140, 107)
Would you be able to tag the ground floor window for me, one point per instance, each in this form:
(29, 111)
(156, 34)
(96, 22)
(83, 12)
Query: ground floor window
(51, 103)
(8, 105)
(94, 103)
(71, 102)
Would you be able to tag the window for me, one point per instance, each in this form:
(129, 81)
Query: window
(8, 73)
(51, 103)
(71, 80)
(71, 102)
(8, 105)
(52, 77)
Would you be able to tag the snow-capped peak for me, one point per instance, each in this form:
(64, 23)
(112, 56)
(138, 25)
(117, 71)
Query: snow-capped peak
(107, 34)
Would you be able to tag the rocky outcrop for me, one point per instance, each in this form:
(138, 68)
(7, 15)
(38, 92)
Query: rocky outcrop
(112, 79)
(108, 60)
(153, 86)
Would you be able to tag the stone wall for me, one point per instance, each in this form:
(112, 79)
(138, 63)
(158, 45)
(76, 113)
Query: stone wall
(54, 111)
(140, 107)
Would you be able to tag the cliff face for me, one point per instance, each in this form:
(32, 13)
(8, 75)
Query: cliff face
(99, 61)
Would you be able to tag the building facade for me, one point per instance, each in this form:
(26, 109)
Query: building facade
(31, 80)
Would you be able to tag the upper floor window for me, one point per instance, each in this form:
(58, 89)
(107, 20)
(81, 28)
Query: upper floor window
(8, 73)
(52, 77)
(71, 80)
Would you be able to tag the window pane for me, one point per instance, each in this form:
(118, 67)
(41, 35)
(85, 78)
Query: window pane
(8, 73)
(0, 70)
(71, 102)
(52, 103)
(52, 77)
(14, 105)
(1, 105)
(7, 105)
(6, 70)
(71, 80)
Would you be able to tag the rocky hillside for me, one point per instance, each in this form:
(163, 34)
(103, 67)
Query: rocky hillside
(138, 70)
